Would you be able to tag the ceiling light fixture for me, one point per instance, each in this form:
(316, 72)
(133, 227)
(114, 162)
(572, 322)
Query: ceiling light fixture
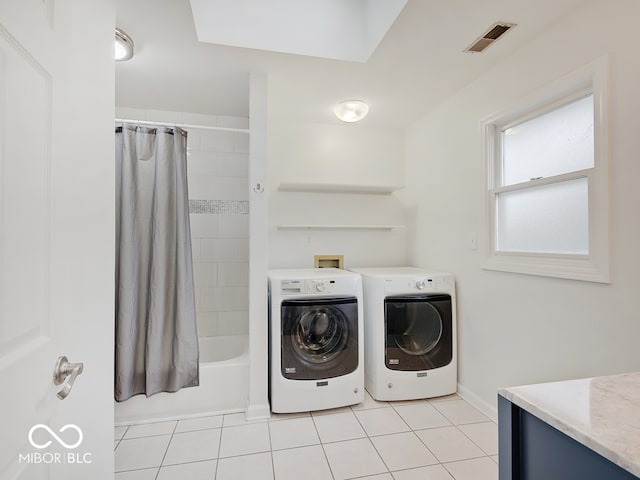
(351, 110)
(123, 46)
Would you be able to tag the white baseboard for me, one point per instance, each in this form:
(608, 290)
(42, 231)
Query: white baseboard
(490, 410)
(125, 421)
(258, 412)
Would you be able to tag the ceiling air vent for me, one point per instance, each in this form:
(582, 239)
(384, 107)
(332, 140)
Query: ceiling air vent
(490, 36)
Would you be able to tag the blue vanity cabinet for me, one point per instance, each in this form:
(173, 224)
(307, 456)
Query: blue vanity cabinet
(531, 449)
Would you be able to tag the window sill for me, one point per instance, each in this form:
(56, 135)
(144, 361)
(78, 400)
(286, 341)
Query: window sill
(583, 269)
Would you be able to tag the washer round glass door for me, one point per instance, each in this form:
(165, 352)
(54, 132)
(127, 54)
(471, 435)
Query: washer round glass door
(319, 337)
(320, 334)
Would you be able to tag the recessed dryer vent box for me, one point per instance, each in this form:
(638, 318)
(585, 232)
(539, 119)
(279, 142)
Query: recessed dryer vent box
(328, 261)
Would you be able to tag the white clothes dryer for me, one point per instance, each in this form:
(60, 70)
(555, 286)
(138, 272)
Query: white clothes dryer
(316, 340)
(410, 333)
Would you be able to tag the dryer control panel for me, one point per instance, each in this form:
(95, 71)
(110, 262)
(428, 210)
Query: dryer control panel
(419, 284)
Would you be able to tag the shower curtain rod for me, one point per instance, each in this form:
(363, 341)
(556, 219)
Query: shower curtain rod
(182, 125)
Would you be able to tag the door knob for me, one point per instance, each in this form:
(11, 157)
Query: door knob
(66, 371)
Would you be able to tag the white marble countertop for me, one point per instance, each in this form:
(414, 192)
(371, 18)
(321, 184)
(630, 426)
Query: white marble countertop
(602, 413)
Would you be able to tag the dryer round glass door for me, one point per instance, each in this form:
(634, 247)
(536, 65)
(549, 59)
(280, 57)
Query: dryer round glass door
(319, 338)
(419, 330)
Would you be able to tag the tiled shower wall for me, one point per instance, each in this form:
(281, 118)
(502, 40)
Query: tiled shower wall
(217, 166)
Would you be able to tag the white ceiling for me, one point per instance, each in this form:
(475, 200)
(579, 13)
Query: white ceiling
(418, 64)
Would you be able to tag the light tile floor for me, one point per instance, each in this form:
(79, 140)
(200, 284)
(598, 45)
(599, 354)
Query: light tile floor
(436, 439)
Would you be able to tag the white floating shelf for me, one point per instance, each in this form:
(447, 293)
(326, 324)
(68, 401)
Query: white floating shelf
(338, 227)
(337, 188)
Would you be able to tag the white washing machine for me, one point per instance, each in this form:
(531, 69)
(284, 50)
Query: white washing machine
(316, 340)
(410, 333)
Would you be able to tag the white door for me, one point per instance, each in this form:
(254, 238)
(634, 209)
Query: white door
(56, 237)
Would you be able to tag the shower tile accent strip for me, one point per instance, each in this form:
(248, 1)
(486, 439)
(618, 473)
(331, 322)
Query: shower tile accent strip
(219, 207)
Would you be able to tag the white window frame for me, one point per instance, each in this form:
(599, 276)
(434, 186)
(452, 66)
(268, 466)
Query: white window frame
(594, 266)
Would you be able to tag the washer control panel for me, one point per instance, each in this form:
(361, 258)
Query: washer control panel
(315, 286)
(319, 286)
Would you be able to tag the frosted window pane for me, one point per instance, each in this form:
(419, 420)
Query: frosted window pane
(547, 219)
(557, 142)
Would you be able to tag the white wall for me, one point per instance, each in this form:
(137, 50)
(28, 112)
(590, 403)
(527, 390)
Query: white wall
(518, 329)
(334, 154)
(217, 166)
(258, 399)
